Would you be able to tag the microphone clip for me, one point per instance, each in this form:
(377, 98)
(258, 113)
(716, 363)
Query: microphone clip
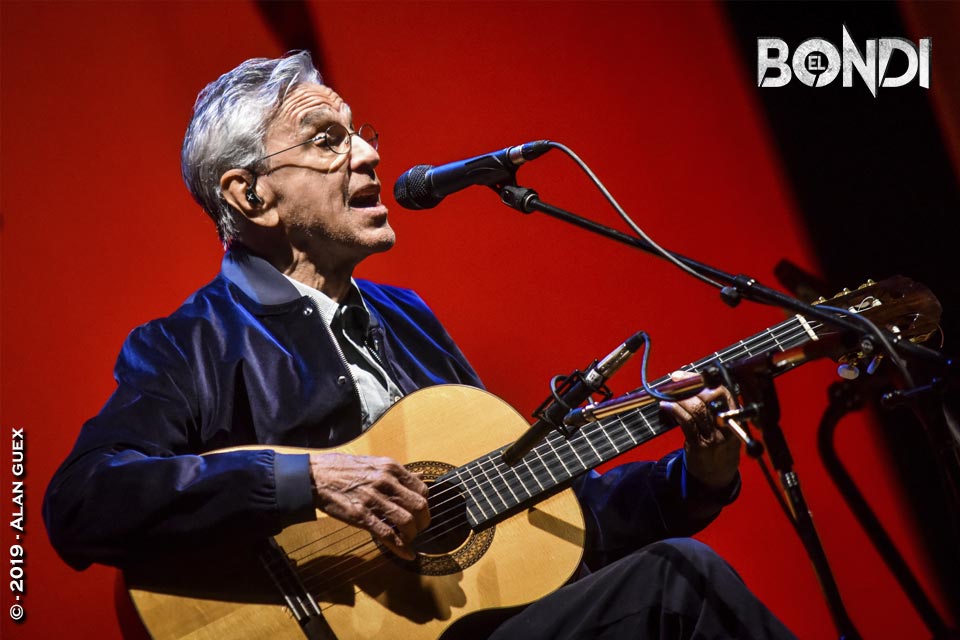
(560, 387)
(517, 197)
(567, 392)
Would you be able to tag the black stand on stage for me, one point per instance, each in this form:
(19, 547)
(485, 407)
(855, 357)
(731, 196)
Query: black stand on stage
(756, 385)
(852, 395)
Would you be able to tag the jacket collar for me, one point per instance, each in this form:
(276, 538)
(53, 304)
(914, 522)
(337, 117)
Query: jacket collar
(257, 279)
(261, 282)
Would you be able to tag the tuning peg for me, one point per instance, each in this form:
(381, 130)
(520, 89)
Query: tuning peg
(843, 292)
(848, 371)
(874, 364)
(868, 283)
(819, 300)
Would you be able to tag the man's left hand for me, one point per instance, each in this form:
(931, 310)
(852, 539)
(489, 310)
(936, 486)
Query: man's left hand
(712, 450)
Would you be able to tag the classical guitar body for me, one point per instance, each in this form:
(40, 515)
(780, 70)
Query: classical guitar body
(360, 590)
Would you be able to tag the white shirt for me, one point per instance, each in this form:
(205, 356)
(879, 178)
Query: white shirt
(349, 323)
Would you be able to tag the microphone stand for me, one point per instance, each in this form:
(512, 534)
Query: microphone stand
(739, 287)
(757, 388)
(760, 384)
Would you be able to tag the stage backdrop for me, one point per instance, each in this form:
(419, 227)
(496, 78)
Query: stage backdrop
(99, 234)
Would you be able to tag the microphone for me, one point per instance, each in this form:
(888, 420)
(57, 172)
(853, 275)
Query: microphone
(596, 411)
(551, 417)
(424, 186)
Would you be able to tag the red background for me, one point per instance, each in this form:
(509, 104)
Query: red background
(100, 235)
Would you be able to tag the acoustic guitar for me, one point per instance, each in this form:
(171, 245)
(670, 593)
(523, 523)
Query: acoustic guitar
(500, 536)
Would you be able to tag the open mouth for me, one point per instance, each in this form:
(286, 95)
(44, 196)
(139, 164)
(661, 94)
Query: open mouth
(365, 198)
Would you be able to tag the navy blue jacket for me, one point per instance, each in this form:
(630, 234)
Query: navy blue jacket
(247, 360)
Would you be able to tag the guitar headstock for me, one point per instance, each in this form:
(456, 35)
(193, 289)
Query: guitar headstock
(898, 304)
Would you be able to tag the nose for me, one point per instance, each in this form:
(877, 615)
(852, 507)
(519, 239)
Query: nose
(362, 153)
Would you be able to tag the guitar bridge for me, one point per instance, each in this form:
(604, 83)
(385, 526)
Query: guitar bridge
(301, 604)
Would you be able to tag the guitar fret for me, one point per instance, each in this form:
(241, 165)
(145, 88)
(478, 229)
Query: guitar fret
(601, 446)
(788, 332)
(612, 443)
(613, 429)
(626, 428)
(574, 449)
(538, 469)
(506, 482)
(585, 452)
(473, 500)
(513, 476)
(759, 342)
(779, 346)
(593, 448)
(472, 517)
(560, 459)
(637, 421)
(654, 423)
(530, 471)
(566, 452)
(646, 422)
(491, 482)
(622, 440)
(545, 465)
(474, 481)
(774, 340)
(520, 482)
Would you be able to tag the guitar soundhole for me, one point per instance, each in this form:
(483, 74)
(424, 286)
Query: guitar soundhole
(448, 528)
(448, 545)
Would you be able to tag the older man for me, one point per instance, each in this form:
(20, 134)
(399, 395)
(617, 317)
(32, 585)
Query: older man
(285, 347)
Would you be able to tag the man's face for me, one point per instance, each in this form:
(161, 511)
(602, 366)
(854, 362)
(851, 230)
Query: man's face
(329, 203)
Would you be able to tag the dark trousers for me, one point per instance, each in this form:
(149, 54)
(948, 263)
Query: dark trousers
(673, 589)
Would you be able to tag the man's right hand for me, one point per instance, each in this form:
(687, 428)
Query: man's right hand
(376, 494)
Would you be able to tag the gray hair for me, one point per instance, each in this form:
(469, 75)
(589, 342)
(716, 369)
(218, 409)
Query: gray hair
(230, 120)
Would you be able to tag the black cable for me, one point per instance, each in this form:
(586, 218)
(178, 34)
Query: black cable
(646, 385)
(626, 218)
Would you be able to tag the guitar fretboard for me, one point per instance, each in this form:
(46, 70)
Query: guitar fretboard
(494, 488)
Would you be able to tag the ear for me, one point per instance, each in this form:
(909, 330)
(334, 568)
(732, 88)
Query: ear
(241, 191)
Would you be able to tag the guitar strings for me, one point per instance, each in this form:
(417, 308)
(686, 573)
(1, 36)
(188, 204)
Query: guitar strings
(283, 574)
(325, 576)
(497, 469)
(492, 482)
(585, 434)
(373, 547)
(762, 340)
(321, 581)
(439, 515)
(379, 560)
(438, 520)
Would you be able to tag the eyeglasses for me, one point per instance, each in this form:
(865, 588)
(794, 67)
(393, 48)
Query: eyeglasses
(338, 139)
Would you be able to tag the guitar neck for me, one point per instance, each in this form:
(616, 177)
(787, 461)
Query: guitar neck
(495, 488)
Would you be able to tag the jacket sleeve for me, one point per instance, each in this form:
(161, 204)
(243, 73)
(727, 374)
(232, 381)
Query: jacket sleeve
(133, 481)
(637, 503)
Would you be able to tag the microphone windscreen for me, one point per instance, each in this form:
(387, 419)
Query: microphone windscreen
(412, 189)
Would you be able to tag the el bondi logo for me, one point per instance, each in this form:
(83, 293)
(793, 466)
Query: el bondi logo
(817, 62)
